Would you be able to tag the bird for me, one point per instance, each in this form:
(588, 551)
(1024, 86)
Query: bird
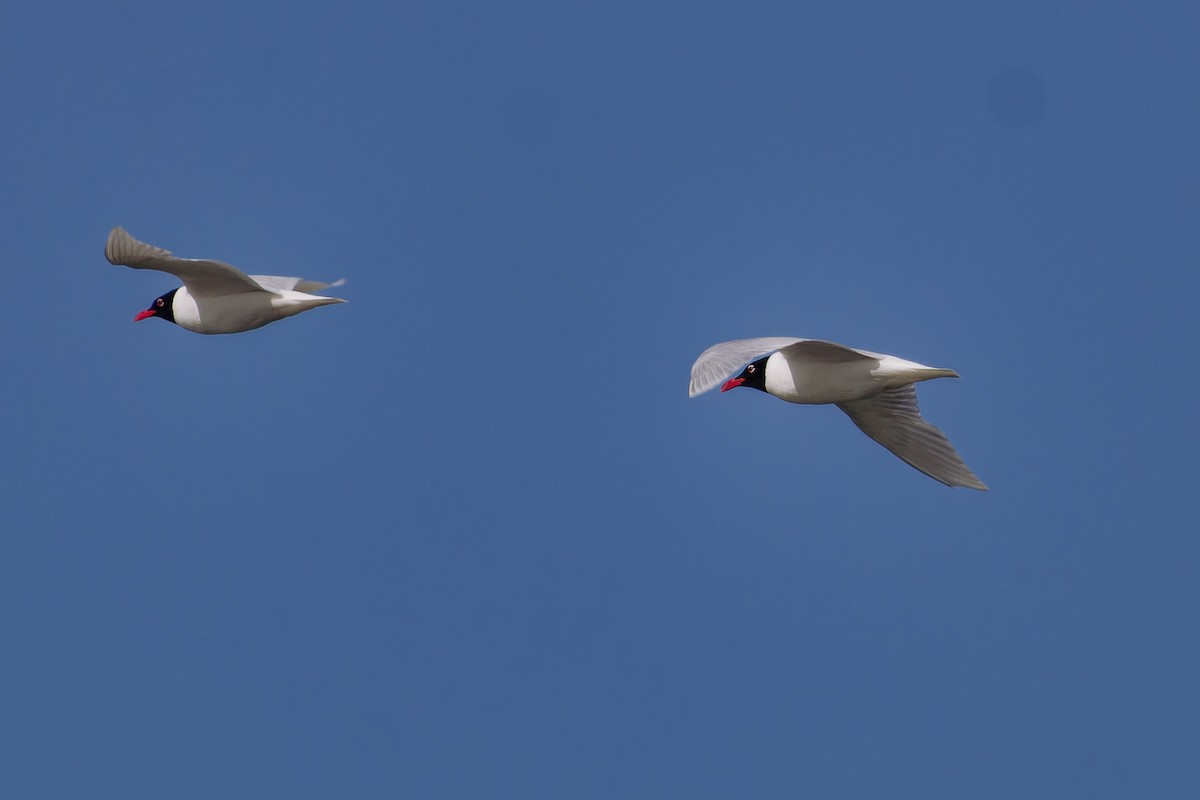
(215, 297)
(875, 390)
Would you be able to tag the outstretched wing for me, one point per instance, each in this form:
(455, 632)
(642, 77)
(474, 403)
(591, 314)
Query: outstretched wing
(202, 278)
(893, 419)
(722, 361)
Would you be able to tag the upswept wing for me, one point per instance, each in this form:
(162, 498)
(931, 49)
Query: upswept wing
(722, 361)
(893, 419)
(202, 278)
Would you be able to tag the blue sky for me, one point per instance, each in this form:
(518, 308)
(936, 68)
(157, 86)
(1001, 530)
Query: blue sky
(466, 536)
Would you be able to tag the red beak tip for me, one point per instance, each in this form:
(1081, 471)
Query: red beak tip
(732, 384)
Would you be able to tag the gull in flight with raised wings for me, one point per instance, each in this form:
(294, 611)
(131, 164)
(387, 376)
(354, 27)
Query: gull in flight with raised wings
(215, 297)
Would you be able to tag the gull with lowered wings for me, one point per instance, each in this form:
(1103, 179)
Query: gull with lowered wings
(875, 390)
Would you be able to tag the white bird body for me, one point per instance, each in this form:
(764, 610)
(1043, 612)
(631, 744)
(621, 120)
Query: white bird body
(216, 297)
(245, 311)
(811, 382)
(874, 389)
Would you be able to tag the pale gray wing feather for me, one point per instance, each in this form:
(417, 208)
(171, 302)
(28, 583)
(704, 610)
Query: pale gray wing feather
(893, 419)
(278, 283)
(722, 361)
(275, 283)
(822, 352)
(316, 286)
(202, 278)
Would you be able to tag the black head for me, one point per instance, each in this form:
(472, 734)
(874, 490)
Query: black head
(162, 307)
(754, 376)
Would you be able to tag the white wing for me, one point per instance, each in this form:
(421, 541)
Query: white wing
(202, 278)
(722, 361)
(277, 283)
(893, 419)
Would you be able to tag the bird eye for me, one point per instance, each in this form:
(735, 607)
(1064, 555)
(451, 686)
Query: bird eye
(750, 369)
(159, 302)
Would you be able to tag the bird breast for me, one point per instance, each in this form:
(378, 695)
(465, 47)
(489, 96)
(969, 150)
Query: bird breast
(227, 313)
(805, 381)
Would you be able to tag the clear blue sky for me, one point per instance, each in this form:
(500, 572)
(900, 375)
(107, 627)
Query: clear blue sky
(466, 536)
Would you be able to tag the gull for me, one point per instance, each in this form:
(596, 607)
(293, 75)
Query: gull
(875, 390)
(215, 297)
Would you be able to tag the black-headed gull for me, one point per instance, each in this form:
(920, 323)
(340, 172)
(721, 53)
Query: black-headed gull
(215, 297)
(874, 389)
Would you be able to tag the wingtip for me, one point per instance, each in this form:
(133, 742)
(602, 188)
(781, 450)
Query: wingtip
(962, 478)
(124, 250)
(116, 237)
